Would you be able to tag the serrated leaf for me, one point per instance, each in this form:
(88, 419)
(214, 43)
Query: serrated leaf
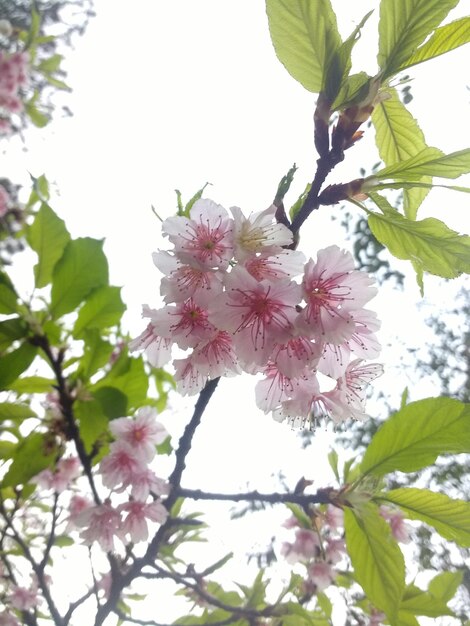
(429, 243)
(398, 137)
(444, 586)
(15, 363)
(306, 40)
(28, 460)
(48, 237)
(444, 39)
(104, 308)
(414, 436)
(404, 26)
(428, 162)
(96, 354)
(132, 381)
(377, 560)
(82, 268)
(353, 89)
(15, 411)
(93, 423)
(451, 518)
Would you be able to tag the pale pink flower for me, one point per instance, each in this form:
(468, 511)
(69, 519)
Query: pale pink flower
(376, 618)
(400, 529)
(276, 388)
(183, 280)
(321, 574)
(142, 433)
(101, 523)
(4, 201)
(306, 546)
(297, 354)
(145, 482)
(157, 348)
(59, 479)
(207, 237)
(351, 388)
(216, 357)
(120, 464)
(334, 517)
(332, 288)
(77, 504)
(104, 584)
(137, 514)
(285, 264)
(259, 233)
(188, 376)
(259, 314)
(186, 323)
(23, 598)
(335, 550)
(8, 619)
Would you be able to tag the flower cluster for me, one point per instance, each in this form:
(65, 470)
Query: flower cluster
(125, 470)
(232, 302)
(319, 548)
(13, 77)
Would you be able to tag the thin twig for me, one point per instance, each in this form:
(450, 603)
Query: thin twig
(323, 496)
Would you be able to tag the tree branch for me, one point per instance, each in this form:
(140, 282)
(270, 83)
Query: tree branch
(322, 496)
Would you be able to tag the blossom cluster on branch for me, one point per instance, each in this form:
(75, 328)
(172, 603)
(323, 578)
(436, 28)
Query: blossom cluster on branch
(14, 69)
(232, 302)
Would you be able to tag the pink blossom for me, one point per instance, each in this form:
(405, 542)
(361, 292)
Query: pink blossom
(216, 357)
(189, 376)
(334, 517)
(400, 529)
(207, 237)
(67, 470)
(186, 323)
(4, 201)
(145, 482)
(137, 514)
(274, 389)
(8, 619)
(286, 264)
(350, 392)
(306, 546)
(259, 314)
(157, 348)
(120, 464)
(101, 523)
(335, 550)
(22, 598)
(142, 433)
(259, 233)
(321, 574)
(77, 504)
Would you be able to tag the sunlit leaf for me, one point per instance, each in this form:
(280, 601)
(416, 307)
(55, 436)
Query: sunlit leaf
(451, 518)
(403, 26)
(377, 560)
(414, 436)
(82, 268)
(444, 586)
(398, 137)
(32, 384)
(428, 162)
(29, 459)
(444, 39)
(15, 363)
(306, 40)
(15, 411)
(419, 602)
(10, 330)
(104, 308)
(96, 354)
(93, 423)
(429, 243)
(8, 295)
(48, 237)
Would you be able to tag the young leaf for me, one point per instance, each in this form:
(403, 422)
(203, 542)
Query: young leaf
(451, 518)
(429, 243)
(48, 237)
(377, 560)
(96, 354)
(104, 308)
(15, 411)
(414, 436)
(444, 39)
(398, 137)
(8, 295)
(28, 460)
(82, 268)
(306, 40)
(15, 363)
(428, 162)
(11, 329)
(92, 421)
(32, 384)
(444, 586)
(418, 602)
(404, 26)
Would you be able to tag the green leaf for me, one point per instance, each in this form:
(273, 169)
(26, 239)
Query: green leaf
(10, 330)
(353, 89)
(29, 459)
(444, 586)
(398, 137)
(93, 422)
(414, 436)
(15, 363)
(8, 295)
(50, 65)
(32, 384)
(451, 518)
(132, 382)
(429, 243)
(96, 355)
(82, 268)
(419, 602)
(48, 237)
(377, 560)
(63, 541)
(404, 26)
(113, 401)
(15, 411)
(444, 39)
(306, 40)
(333, 461)
(104, 308)
(428, 162)
(38, 118)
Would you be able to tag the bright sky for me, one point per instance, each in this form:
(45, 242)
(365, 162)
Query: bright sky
(173, 94)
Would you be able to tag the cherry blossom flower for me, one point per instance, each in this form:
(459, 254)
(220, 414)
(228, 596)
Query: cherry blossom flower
(142, 433)
(306, 546)
(258, 233)
(285, 264)
(321, 575)
(101, 523)
(120, 464)
(400, 529)
(4, 201)
(207, 237)
(136, 515)
(23, 598)
(8, 619)
(157, 348)
(186, 323)
(146, 482)
(77, 504)
(216, 357)
(59, 479)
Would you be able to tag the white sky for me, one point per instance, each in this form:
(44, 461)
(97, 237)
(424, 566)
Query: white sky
(173, 94)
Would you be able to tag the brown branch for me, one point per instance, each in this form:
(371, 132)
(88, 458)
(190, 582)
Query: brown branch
(322, 496)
